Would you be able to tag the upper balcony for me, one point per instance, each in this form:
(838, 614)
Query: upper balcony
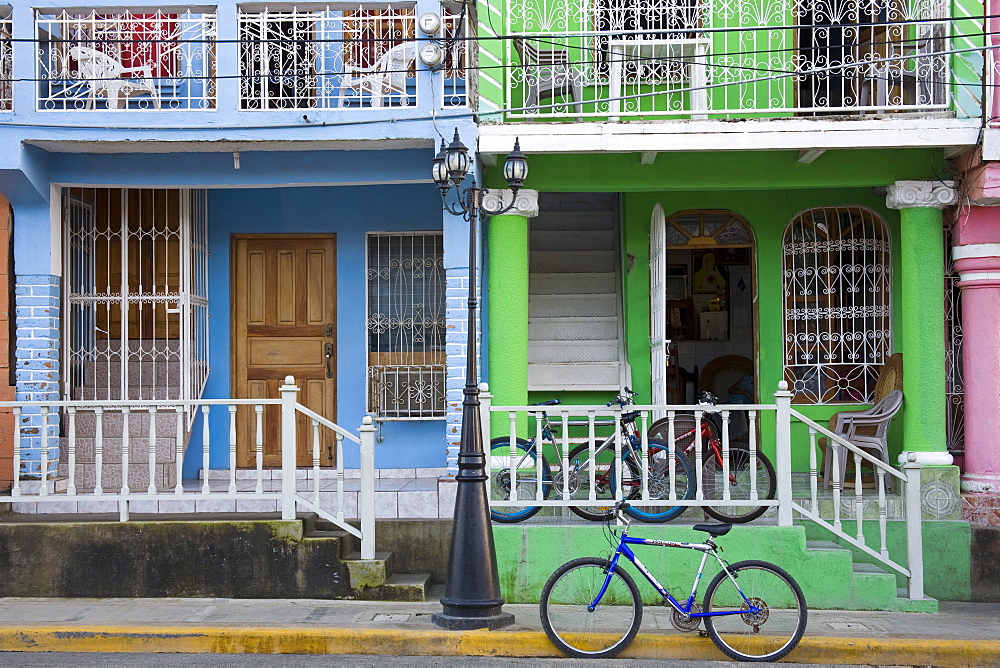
(607, 60)
(302, 57)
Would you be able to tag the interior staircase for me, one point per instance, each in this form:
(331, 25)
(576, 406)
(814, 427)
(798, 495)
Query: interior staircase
(153, 372)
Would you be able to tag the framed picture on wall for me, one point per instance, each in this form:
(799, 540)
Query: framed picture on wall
(709, 276)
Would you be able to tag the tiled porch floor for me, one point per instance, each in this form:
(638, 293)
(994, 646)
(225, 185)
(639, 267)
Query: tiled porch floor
(410, 497)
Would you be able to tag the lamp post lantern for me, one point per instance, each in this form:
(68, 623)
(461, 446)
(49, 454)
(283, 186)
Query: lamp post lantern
(472, 597)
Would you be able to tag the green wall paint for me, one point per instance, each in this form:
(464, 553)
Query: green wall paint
(768, 189)
(768, 212)
(508, 315)
(921, 317)
(527, 556)
(727, 170)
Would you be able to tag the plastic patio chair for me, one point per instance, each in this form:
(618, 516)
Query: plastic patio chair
(548, 74)
(103, 74)
(387, 76)
(867, 430)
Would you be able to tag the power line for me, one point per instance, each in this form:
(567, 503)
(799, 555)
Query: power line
(477, 38)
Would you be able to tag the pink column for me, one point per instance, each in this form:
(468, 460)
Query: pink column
(977, 261)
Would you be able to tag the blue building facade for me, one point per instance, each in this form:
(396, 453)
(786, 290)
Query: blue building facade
(140, 147)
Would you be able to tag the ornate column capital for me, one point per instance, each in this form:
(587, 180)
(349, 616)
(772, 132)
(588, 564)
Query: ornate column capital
(921, 194)
(525, 205)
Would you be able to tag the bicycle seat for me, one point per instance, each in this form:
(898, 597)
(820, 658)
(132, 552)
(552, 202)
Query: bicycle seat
(714, 529)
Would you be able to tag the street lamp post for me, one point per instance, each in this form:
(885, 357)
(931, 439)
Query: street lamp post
(472, 597)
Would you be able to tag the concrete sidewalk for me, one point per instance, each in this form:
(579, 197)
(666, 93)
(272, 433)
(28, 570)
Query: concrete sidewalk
(961, 634)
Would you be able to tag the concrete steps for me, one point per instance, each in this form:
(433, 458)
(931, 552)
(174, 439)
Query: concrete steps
(369, 579)
(870, 585)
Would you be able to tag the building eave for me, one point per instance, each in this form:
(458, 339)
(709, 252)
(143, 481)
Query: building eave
(792, 134)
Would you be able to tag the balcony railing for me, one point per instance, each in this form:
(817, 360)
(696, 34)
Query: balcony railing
(739, 58)
(303, 57)
(6, 65)
(130, 60)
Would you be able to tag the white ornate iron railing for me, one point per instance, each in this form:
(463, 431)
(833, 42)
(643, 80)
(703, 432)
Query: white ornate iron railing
(126, 60)
(6, 62)
(652, 489)
(739, 58)
(121, 465)
(328, 57)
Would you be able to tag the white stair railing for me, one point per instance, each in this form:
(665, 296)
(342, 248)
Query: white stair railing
(117, 470)
(506, 470)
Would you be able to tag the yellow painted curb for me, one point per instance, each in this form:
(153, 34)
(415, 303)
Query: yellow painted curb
(299, 640)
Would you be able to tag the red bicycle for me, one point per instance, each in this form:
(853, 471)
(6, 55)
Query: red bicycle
(747, 471)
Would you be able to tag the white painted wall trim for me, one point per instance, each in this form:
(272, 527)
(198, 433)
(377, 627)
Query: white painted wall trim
(975, 250)
(926, 458)
(750, 135)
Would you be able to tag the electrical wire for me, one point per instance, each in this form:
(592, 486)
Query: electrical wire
(582, 33)
(778, 74)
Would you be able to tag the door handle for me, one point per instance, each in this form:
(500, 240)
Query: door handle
(328, 351)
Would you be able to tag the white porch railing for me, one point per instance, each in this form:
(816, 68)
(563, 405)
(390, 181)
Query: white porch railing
(646, 491)
(124, 469)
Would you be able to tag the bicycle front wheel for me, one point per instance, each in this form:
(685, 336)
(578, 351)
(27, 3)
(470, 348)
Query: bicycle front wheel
(570, 623)
(664, 475)
(526, 465)
(770, 632)
(744, 471)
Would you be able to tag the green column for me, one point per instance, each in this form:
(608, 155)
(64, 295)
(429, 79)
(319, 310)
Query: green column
(921, 311)
(507, 294)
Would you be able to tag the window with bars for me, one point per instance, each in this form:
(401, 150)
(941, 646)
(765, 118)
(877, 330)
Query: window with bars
(837, 283)
(406, 325)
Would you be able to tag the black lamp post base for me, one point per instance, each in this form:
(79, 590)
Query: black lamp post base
(453, 623)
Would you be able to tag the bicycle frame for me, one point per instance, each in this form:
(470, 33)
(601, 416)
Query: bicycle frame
(705, 548)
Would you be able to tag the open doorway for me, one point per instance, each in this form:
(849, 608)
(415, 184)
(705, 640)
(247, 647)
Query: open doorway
(703, 288)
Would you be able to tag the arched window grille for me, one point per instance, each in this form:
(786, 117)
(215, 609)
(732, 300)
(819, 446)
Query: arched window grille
(837, 285)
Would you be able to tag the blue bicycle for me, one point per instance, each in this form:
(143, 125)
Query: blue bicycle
(753, 610)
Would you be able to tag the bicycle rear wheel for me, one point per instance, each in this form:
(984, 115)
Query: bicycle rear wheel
(741, 474)
(579, 484)
(661, 480)
(527, 479)
(766, 635)
(578, 631)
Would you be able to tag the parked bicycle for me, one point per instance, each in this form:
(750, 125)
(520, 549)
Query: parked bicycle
(753, 610)
(744, 473)
(658, 460)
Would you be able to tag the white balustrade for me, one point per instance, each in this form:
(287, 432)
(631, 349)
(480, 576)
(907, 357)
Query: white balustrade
(91, 462)
(721, 459)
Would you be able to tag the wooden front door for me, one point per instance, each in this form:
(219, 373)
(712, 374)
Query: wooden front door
(284, 304)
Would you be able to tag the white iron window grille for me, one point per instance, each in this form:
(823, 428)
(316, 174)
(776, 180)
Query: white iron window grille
(134, 59)
(837, 282)
(327, 57)
(137, 293)
(458, 85)
(406, 325)
(6, 60)
(954, 383)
